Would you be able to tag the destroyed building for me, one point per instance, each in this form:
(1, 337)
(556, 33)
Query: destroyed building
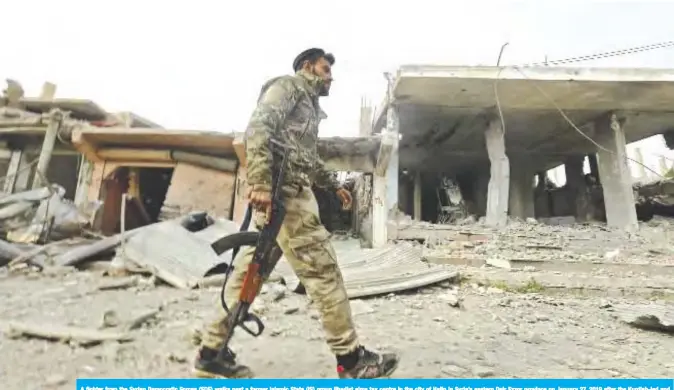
(142, 173)
(113, 300)
(439, 150)
(492, 130)
(173, 172)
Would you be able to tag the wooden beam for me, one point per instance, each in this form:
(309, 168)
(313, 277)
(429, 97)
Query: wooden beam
(211, 142)
(141, 164)
(167, 156)
(55, 120)
(22, 177)
(56, 152)
(12, 170)
(135, 154)
(85, 147)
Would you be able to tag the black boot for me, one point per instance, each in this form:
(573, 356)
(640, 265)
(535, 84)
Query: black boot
(370, 365)
(209, 364)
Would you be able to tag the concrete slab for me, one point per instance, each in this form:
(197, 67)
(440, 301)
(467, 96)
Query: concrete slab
(571, 88)
(444, 110)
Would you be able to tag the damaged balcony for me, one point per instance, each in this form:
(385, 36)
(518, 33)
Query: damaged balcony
(449, 130)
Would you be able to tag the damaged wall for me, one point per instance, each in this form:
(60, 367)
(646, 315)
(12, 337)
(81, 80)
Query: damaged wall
(363, 207)
(195, 188)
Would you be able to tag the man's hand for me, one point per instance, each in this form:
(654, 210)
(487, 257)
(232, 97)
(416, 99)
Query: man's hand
(345, 196)
(261, 201)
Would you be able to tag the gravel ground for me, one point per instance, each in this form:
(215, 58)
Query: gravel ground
(440, 331)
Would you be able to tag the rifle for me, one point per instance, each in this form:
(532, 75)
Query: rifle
(261, 265)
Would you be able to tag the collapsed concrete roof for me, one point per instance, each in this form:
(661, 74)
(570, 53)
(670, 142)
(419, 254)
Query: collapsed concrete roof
(445, 110)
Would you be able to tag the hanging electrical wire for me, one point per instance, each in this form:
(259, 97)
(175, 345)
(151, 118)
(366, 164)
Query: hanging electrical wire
(557, 107)
(608, 54)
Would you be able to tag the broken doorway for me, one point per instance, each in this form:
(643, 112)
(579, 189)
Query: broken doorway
(146, 191)
(330, 206)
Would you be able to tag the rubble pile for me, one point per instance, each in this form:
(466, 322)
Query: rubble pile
(656, 198)
(31, 218)
(558, 240)
(132, 303)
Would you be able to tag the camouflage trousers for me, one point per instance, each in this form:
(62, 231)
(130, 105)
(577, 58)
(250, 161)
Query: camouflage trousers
(306, 246)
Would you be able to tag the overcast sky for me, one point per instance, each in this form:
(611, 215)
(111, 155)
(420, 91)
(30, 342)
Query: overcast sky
(200, 64)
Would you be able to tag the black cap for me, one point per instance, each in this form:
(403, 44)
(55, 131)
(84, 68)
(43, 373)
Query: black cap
(309, 53)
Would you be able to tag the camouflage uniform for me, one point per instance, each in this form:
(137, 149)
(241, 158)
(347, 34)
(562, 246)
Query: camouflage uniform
(288, 108)
(303, 239)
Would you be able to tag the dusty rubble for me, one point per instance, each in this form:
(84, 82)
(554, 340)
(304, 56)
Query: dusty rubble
(656, 198)
(491, 333)
(532, 300)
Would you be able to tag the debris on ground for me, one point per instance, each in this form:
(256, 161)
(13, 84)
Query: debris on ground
(42, 215)
(80, 336)
(495, 300)
(659, 317)
(656, 198)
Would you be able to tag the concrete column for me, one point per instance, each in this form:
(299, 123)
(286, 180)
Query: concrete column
(521, 198)
(417, 196)
(392, 127)
(383, 185)
(379, 215)
(499, 180)
(615, 174)
(578, 191)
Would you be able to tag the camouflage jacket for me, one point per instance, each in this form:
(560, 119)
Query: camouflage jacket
(288, 110)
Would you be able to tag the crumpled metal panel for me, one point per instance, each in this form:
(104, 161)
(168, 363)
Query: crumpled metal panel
(175, 255)
(367, 272)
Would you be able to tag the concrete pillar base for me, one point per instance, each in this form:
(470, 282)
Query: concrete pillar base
(499, 180)
(615, 174)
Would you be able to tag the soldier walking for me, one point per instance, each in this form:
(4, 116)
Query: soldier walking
(288, 110)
